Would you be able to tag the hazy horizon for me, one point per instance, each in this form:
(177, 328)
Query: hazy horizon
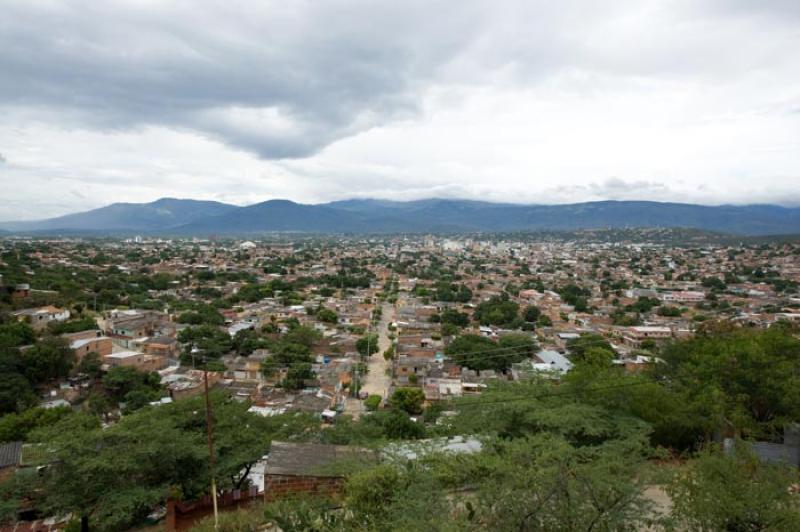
(521, 204)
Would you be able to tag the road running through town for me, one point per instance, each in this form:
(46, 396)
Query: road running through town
(377, 381)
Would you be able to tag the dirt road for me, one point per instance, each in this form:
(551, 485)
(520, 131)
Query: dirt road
(377, 380)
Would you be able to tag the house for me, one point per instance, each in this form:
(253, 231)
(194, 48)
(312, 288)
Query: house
(190, 383)
(683, 296)
(138, 324)
(243, 368)
(164, 346)
(550, 363)
(135, 359)
(637, 363)
(84, 342)
(241, 326)
(21, 291)
(405, 367)
(634, 336)
(438, 388)
(309, 468)
(39, 317)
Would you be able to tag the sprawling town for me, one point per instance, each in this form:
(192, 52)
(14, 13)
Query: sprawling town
(137, 371)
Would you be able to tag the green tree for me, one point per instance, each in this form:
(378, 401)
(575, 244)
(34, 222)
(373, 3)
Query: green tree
(451, 292)
(133, 387)
(480, 353)
(210, 342)
(578, 346)
(520, 344)
(114, 477)
(750, 379)
(16, 427)
(247, 341)
(737, 492)
(90, 365)
(300, 334)
(669, 311)
(715, 283)
(327, 316)
(370, 492)
(83, 324)
(562, 487)
(532, 314)
(371, 403)
(409, 400)
(16, 334)
(498, 311)
(285, 354)
(454, 317)
(575, 296)
(49, 359)
(297, 375)
(368, 344)
(16, 393)
(202, 315)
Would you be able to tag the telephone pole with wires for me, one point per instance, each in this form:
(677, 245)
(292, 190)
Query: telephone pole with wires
(209, 433)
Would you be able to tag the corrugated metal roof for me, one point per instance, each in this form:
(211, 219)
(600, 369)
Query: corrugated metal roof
(10, 454)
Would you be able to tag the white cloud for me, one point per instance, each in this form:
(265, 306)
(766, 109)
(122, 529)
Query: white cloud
(518, 101)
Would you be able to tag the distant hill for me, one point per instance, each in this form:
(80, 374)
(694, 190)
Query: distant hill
(288, 216)
(190, 217)
(278, 215)
(162, 214)
(484, 216)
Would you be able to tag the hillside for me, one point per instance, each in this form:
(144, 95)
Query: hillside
(190, 217)
(161, 214)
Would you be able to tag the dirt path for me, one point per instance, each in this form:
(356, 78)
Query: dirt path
(377, 380)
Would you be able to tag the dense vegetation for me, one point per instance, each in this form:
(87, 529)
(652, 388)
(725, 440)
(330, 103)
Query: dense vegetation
(580, 455)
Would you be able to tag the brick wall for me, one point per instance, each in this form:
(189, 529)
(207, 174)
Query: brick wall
(276, 486)
(101, 346)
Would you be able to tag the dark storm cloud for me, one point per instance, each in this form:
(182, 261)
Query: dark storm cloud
(282, 79)
(285, 79)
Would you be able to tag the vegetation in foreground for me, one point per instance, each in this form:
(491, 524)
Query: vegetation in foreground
(574, 455)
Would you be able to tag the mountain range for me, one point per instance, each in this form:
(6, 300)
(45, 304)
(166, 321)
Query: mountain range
(169, 216)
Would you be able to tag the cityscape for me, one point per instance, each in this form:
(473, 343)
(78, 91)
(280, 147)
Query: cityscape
(412, 347)
(378, 266)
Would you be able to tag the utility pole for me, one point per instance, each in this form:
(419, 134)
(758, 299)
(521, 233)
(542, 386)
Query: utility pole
(210, 434)
(369, 326)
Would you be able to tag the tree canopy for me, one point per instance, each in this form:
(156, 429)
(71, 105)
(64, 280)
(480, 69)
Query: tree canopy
(498, 311)
(480, 353)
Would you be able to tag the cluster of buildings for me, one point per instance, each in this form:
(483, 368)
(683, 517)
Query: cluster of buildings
(624, 289)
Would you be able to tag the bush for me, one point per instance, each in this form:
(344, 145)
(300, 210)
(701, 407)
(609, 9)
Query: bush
(372, 402)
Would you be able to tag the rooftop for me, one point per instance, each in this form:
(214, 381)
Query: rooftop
(311, 459)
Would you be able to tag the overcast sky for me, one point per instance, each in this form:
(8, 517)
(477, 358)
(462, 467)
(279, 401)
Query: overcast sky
(523, 101)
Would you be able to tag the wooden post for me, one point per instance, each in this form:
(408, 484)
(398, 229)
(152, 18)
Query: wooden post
(210, 433)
